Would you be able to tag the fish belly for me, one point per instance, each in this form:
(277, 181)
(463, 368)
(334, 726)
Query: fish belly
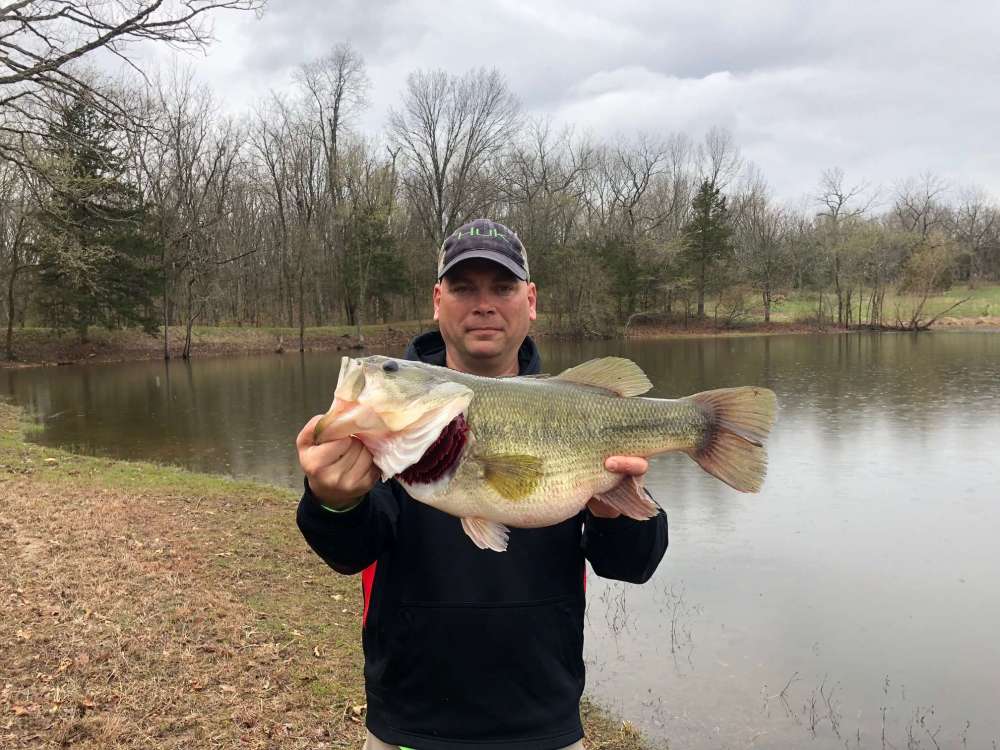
(560, 495)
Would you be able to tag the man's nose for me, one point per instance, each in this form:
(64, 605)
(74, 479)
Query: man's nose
(484, 304)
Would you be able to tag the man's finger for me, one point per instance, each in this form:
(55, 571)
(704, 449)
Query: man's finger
(351, 456)
(316, 458)
(630, 465)
(360, 469)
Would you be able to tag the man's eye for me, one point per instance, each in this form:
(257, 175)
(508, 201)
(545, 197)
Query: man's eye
(505, 289)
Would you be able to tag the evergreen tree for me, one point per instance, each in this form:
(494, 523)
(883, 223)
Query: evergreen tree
(707, 236)
(96, 263)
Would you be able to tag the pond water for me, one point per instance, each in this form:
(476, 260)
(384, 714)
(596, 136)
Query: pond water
(854, 602)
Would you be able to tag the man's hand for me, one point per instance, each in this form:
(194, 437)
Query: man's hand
(625, 465)
(338, 471)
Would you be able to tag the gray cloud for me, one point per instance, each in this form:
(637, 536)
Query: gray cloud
(885, 90)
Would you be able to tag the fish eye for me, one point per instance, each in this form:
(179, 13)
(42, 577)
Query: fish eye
(390, 366)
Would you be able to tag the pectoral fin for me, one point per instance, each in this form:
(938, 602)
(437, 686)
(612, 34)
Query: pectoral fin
(513, 476)
(486, 534)
(629, 499)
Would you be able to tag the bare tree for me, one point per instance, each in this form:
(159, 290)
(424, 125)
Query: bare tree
(975, 222)
(927, 271)
(761, 245)
(335, 89)
(840, 205)
(15, 232)
(188, 176)
(918, 206)
(40, 40)
(541, 183)
(450, 128)
(719, 158)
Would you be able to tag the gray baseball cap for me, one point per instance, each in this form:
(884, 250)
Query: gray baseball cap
(482, 238)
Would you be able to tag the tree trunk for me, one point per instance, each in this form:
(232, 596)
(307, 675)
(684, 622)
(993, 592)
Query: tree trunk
(186, 354)
(166, 297)
(9, 349)
(302, 308)
(359, 312)
(701, 291)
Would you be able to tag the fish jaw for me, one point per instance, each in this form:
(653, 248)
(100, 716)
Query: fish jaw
(347, 418)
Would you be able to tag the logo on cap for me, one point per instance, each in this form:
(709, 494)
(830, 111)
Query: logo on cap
(489, 240)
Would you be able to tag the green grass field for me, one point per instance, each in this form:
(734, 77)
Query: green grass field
(983, 301)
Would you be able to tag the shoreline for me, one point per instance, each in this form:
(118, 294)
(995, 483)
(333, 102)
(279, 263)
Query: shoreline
(149, 605)
(43, 348)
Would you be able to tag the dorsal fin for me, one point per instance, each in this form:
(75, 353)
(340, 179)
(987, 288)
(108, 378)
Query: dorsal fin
(616, 374)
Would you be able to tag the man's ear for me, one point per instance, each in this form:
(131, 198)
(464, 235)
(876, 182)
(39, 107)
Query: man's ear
(437, 299)
(532, 300)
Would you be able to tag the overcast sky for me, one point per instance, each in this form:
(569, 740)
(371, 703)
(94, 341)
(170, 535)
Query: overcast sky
(884, 89)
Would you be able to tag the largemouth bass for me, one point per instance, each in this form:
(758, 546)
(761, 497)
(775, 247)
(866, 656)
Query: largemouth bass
(530, 451)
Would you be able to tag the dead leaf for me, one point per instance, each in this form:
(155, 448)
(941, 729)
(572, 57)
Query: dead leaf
(227, 688)
(87, 703)
(24, 635)
(316, 652)
(21, 710)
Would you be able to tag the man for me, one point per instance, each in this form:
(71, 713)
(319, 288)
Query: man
(467, 648)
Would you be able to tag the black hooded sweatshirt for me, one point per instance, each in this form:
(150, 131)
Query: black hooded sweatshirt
(466, 648)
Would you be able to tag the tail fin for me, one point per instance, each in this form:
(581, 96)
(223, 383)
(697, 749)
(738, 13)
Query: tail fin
(733, 448)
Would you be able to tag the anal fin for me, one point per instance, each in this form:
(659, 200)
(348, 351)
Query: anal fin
(486, 534)
(629, 499)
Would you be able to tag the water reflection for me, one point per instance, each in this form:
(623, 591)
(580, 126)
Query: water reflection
(870, 553)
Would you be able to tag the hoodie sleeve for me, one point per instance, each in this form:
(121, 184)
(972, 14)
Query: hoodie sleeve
(351, 540)
(624, 549)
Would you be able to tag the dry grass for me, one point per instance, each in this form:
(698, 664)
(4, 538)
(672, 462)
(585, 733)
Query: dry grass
(145, 606)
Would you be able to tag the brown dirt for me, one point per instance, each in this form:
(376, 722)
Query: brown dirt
(981, 323)
(145, 607)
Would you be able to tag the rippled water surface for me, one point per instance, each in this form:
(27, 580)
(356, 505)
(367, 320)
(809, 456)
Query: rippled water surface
(859, 593)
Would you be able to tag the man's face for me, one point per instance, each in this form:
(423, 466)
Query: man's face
(483, 310)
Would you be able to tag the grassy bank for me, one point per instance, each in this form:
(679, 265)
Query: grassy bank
(146, 606)
(981, 302)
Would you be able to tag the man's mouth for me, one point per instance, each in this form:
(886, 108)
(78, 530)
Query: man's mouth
(480, 329)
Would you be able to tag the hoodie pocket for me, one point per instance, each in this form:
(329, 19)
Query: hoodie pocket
(513, 668)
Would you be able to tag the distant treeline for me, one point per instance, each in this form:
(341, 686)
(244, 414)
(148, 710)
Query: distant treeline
(139, 205)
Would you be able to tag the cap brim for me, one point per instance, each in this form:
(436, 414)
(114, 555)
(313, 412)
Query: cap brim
(496, 257)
